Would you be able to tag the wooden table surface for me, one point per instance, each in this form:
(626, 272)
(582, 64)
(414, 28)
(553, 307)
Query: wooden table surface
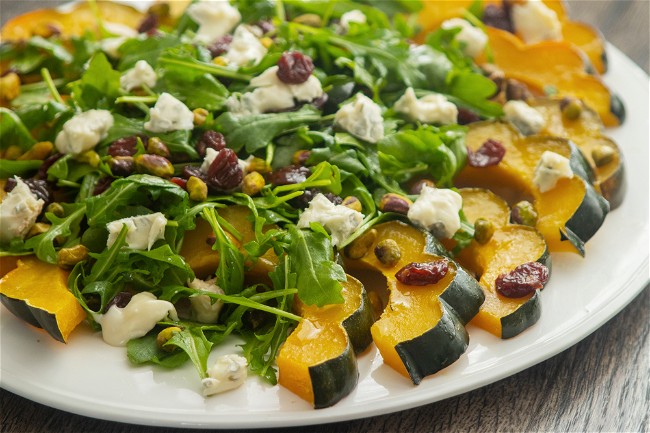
(600, 384)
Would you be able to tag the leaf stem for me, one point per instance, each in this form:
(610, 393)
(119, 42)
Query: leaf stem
(45, 73)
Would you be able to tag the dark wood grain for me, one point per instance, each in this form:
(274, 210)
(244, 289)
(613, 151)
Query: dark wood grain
(600, 384)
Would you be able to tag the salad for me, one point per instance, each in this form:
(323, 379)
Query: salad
(176, 177)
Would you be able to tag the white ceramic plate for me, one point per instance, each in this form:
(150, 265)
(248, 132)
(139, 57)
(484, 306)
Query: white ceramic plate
(90, 378)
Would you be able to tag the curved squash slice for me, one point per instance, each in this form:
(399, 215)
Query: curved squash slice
(37, 292)
(510, 246)
(569, 214)
(555, 64)
(602, 153)
(317, 361)
(421, 331)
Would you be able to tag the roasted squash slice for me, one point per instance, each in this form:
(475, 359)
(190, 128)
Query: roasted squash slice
(204, 261)
(586, 131)
(74, 21)
(553, 64)
(510, 246)
(421, 331)
(317, 361)
(569, 214)
(37, 292)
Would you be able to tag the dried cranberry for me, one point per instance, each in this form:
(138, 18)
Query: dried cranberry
(302, 201)
(225, 173)
(193, 170)
(102, 185)
(421, 274)
(265, 26)
(123, 146)
(45, 166)
(39, 187)
(210, 139)
(220, 46)
(490, 153)
(516, 90)
(179, 181)
(499, 17)
(120, 300)
(294, 67)
(289, 175)
(149, 24)
(523, 280)
(466, 116)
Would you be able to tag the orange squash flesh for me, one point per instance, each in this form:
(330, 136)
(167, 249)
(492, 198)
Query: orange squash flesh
(514, 175)
(43, 289)
(73, 22)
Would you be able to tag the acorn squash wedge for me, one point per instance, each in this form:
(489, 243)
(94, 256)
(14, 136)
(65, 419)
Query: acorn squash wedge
(569, 214)
(510, 246)
(37, 292)
(317, 361)
(421, 330)
(586, 131)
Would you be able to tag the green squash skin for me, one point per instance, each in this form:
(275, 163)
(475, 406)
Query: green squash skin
(334, 379)
(614, 187)
(358, 325)
(528, 313)
(464, 294)
(617, 107)
(34, 316)
(586, 220)
(437, 348)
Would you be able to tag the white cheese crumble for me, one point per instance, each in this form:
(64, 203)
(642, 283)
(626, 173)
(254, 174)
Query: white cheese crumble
(437, 210)
(228, 372)
(524, 117)
(432, 108)
(353, 16)
(245, 48)
(215, 18)
(111, 46)
(340, 221)
(271, 94)
(551, 168)
(474, 38)
(361, 118)
(18, 212)
(83, 131)
(169, 114)
(141, 74)
(203, 309)
(143, 231)
(536, 22)
(144, 310)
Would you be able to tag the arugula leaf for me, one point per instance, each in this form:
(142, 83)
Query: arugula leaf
(230, 273)
(67, 227)
(145, 350)
(9, 168)
(13, 131)
(318, 275)
(99, 85)
(254, 132)
(147, 49)
(193, 342)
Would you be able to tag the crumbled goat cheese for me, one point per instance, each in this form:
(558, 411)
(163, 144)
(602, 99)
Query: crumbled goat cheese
(353, 16)
(83, 131)
(141, 74)
(271, 94)
(536, 22)
(144, 310)
(143, 231)
(361, 118)
(245, 48)
(204, 310)
(551, 168)
(18, 212)
(525, 118)
(432, 108)
(169, 114)
(437, 210)
(474, 38)
(111, 46)
(215, 18)
(228, 372)
(340, 221)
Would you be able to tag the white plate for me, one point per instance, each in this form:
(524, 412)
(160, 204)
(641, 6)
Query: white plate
(90, 378)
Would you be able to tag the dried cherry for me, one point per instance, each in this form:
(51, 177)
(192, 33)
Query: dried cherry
(499, 17)
(210, 139)
(220, 46)
(120, 300)
(289, 175)
(421, 274)
(294, 67)
(490, 153)
(523, 280)
(225, 173)
(125, 146)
